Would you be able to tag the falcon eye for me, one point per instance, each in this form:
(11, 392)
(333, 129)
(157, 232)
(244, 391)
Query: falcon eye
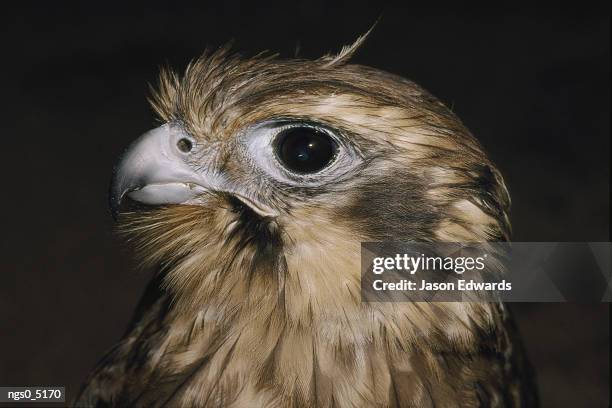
(305, 149)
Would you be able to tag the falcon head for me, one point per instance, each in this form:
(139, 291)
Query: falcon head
(266, 174)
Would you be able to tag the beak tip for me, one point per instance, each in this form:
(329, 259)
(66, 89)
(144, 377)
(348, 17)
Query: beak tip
(114, 210)
(114, 214)
(114, 201)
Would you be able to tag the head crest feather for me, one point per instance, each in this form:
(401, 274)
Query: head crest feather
(347, 51)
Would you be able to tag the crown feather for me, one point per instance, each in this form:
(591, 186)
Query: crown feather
(347, 51)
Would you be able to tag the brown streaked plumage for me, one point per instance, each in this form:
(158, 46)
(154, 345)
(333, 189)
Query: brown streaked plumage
(257, 300)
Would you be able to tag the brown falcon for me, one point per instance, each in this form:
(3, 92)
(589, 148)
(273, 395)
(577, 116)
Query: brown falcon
(254, 195)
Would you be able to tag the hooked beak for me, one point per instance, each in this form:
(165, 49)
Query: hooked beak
(156, 170)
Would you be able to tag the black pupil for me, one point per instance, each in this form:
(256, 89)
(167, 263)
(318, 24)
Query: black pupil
(305, 150)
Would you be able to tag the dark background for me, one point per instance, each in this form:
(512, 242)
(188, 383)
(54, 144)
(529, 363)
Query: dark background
(531, 83)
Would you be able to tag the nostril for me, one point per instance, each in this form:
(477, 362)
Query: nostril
(184, 145)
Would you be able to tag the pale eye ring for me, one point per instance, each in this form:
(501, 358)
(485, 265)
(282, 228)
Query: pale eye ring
(298, 152)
